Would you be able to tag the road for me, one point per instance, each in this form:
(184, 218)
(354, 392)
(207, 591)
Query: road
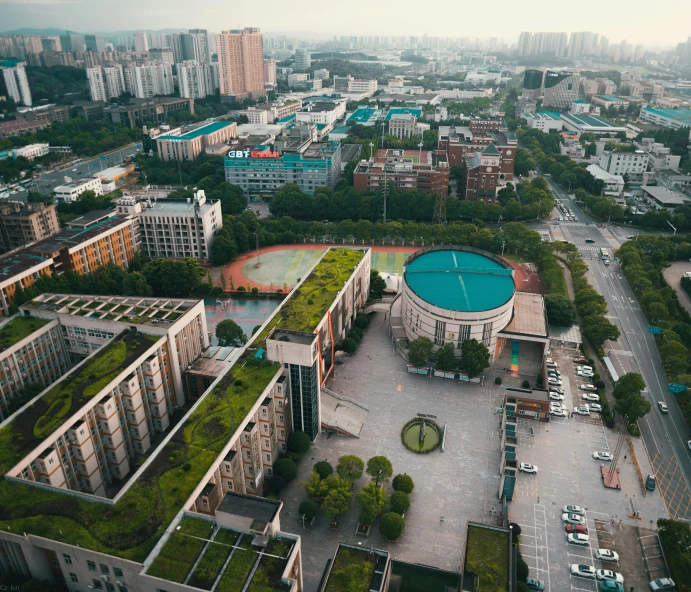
(664, 435)
(87, 168)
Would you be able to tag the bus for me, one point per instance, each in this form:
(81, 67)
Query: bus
(604, 254)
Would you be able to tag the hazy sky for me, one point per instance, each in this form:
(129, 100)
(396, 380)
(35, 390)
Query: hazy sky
(617, 19)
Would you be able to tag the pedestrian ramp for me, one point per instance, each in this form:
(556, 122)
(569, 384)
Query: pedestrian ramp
(342, 414)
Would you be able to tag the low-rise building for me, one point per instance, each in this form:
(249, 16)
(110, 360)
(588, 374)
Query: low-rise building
(114, 177)
(21, 224)
(660, 157)
(70, 192)
(190, 145)
(661, 198)
(354, 85)
(365, 116)
(545, 121)
(19, 127)
(256, 116)
(610, 101)
(578, 107)
(612, 182)
(142, 111)
(593, 124)
(403, 169)
(621, 162)
(18, 272)
(402, 125)
(30, 151)
(481, 172)
(670, 118)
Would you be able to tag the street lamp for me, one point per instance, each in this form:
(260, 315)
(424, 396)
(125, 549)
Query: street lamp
(675, 230)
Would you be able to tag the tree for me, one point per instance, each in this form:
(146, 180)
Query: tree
(629, 384)
(135, 284)
(379, 468)
(634, 407)
(474, 357)
(403, 483)
(308, 509)
(561, 311)
(276, 483)
(399, 502)
(371, 501)
(336, 501)
(446, 359)
(286, 468)
(299, 442)
(349, 345)
(419, 350)
(323, 468)
(228, 332)
(391, 526)
(350, 467)
(315, 486)
(362, 321)
(377, 285)
(673, 355)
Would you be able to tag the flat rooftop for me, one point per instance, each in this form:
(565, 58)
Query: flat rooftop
(364, 115)
(459, 280)
(368, 564)
(200, 131)
(74, 184)
(551, 115)
(529, 317)
(612, 99)
(665, 196)
(114, 172)
(678, 114)
(417, 112)
(176, 207)
(18, 263)
(259, 509)
(584, 120)
(73, 237)
(18, 328)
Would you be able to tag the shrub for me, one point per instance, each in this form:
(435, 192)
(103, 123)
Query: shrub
(399, 502)
(362, 321)
(633, 430)
(522, 569)
(515, 528)
(349, 345)
(286, 468)
(299, 442)
(599, 384)
(526, 384)
(308, 509)
(358, 331)
(609, 422)
(351, 467)
(255, 291)
(596, 376)
(591, 362)
(276, 483)
(403, 483)
(391, 525)
(324, 469)
(497, 380)
(241, 289)
(539, 378)
(354, 336)
(522, 587)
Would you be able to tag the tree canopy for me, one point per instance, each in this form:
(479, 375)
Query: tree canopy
(228, 332)
(474, 357)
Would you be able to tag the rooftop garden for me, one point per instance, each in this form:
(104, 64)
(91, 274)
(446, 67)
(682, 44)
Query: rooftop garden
(420, 578)
(268, 576)
(487, 556)
(306, 307)
(46, 415)
(214, 558)
(131, 528)
(18, 329)
(352, 571)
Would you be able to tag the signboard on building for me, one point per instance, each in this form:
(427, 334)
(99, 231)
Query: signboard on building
(253, 154)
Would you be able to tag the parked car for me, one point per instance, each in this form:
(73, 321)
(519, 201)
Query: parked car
(573, 519)
(588, 387)
(584, 374)
(584, 367)
(583, 410)
(603, 456)
(576, 538)
(527, 468)
(607, 555)
(609, 576)
(596, 407)
(610, 587)
(688, 443)
(590, 397)
(555, 396)
(558, 412)
(583, 571)
(535, 585)
(553, 380)
(573, 510)
(663, 407)
(662, 584)
(555, 389)
(579, 528)
(631, 236)
(551, 364)
(580, 360)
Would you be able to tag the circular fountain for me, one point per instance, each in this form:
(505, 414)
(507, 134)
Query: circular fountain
(421, 435)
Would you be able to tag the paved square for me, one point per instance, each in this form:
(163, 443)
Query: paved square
(459, 484)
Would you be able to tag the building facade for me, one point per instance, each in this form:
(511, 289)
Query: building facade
(70, 192)
(616, 162)
(241, 59)
(196, 80)
(190, 145)
(481, 172)
(16, 82)
(561, 89)
(149, 80)
(21, 224)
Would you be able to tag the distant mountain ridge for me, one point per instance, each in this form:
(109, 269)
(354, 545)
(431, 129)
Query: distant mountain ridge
(55, 31)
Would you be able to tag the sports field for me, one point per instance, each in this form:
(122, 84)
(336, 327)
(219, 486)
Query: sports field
(281, 267)
(388, 262)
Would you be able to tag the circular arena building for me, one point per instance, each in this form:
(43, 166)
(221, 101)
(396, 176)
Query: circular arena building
(451, 294)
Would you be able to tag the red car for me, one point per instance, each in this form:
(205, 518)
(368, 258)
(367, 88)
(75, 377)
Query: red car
(576, 528)
(581, 361)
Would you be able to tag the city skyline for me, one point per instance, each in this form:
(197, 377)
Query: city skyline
(616, 20)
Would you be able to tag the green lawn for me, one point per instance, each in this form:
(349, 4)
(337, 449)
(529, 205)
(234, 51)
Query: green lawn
(487, 555)
(239, 568)
(19, 328)
(267, 578)
(351, 572)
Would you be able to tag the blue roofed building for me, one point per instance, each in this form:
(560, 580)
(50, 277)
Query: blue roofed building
(671, 118)
(190, 145)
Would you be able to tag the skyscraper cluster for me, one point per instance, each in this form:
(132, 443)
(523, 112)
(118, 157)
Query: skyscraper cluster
(143, 82)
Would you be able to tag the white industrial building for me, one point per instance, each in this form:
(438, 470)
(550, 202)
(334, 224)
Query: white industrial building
(612, 182)
(545, 121)
(70, 191)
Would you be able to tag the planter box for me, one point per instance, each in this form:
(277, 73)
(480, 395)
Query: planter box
(363, 530)
(335, 524)
(394, 541)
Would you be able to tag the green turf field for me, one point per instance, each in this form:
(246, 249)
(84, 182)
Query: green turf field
(279, 267)
(389, 262)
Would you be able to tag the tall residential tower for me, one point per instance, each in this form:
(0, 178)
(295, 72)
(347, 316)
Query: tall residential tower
(241, 59)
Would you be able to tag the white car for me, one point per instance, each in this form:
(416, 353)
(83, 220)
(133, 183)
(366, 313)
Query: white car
(661, 584)
(590, 397)
(583, 410)
(583, 571)
(583, 374)
(573, 519)
(603, 456)
(596, 407)
(588, 387)
(576, 538)
(573, 510)
(630, 236)
(553, 380)
(607, 555)
(561, 218)
(559, 412)
(528, 468)
(551, 364)
(663, 407)
(584, 368)
(607, 575)
(555, 396)
(555, 389)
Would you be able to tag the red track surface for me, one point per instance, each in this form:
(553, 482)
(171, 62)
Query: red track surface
(523, 271)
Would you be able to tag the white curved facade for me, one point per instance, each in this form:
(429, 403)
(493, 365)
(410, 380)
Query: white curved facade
(441, 325)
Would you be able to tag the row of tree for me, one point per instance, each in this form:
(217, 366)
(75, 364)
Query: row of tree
(473, 360)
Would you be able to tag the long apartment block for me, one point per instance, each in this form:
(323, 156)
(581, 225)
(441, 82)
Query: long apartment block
(189, 514)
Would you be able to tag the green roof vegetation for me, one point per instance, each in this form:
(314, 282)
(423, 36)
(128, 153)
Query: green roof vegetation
(352, 571)
(131, 528)
(421, 578)
(487, 556)
(214, 557)
(35, 423)
(268, 576)
(181, 550)
(18, 329)
(239, 568)
(306, 307)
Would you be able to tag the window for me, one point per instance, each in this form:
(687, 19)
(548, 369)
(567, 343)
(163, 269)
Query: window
(91, 565)
(97, 584)
(105, 569)
(110, 588)
(67, 558)
(118, 573)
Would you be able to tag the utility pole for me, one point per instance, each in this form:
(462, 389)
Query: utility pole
(384, 196)
(382, 134)
(370, 150)
(675, 230)
(419, 158)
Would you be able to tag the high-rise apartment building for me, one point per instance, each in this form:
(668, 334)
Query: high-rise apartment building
(583, 44)
(241, 59)
(164, 54)
(141, 43)
(202, 49)
(270, 72)
(183, 47)
(95, 43)
(303, 59)
(149, 80)
(21, 223)
(16, 81)
(196, 80)
(545, 44)
(105, 83)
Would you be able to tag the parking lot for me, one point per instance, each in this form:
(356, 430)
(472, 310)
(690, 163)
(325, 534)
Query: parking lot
(568, 475)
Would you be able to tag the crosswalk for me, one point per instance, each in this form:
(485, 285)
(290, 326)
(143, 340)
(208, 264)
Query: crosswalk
(588, 248)
(573, 224)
